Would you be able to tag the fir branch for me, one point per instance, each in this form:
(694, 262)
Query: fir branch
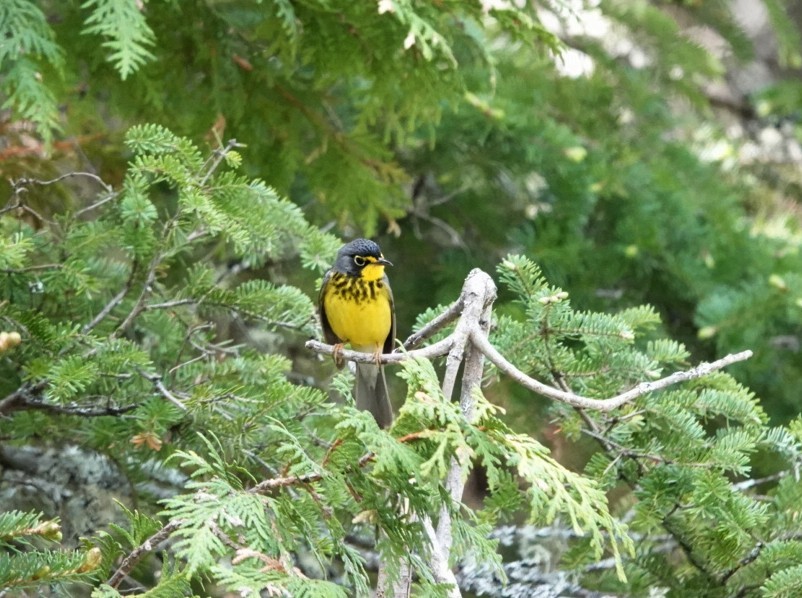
(160, 536)
(686, 546)
(150, 278)
(622, 451)
(246, 313)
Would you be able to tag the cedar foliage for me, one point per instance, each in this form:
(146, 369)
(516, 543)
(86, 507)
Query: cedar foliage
(126, 299)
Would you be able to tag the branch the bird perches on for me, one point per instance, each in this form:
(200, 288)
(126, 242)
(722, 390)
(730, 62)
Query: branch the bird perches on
(469, 343)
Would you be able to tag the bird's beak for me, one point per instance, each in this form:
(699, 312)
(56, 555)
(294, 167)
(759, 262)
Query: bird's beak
(384, 262)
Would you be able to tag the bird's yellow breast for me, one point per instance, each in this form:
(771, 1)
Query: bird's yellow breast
(358, 311)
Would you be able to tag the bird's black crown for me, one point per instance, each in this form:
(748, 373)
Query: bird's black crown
(363, 247)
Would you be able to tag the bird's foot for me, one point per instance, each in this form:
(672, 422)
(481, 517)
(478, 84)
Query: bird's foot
(377, 356)
(337, 354)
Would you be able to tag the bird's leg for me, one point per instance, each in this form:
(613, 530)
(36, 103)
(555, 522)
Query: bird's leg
(377, 355)
(337, 354)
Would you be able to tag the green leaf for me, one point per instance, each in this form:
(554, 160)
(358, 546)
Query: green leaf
(128, 38)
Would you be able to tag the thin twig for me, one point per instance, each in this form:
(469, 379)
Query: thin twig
(746, 560)
(266, 486)
(163, 390)
(449, 315)
(89, 175)
(168, 395)
(752, 482)
(150, 278)
(169, 304)
(115, 301)
(147, 546)
(97, 204)
(219, 155)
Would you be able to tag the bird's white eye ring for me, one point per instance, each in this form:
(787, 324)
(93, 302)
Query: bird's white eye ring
(359, 260)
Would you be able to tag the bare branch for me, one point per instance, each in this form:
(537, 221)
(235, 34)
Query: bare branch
(150, 278)
(266, 486)
(115, 301)
(171, 304)
(439, 561)
(76, 410)
(475, 296)
(436, 350)
(449, 315)
(478, 295)
(89, 175)
(484, 345)
(20, 185)
(112, 195)
(384, 589)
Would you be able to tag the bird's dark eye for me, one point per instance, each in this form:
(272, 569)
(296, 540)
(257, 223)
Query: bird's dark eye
(359, 260)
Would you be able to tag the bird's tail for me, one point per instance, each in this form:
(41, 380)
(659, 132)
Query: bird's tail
(371, 393)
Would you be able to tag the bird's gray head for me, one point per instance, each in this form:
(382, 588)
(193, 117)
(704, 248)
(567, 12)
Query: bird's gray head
(361, 257)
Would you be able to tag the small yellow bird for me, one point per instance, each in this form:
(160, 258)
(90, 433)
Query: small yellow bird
(356, 307)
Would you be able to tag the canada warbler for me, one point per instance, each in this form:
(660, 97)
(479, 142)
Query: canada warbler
(356, 307)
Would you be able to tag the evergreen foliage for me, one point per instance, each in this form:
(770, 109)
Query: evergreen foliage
(675, 452)
(24, 564)
(158, 318)
(141, 356)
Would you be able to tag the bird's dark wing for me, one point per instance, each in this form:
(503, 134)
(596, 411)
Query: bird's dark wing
(389, 342)
(328, 333)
